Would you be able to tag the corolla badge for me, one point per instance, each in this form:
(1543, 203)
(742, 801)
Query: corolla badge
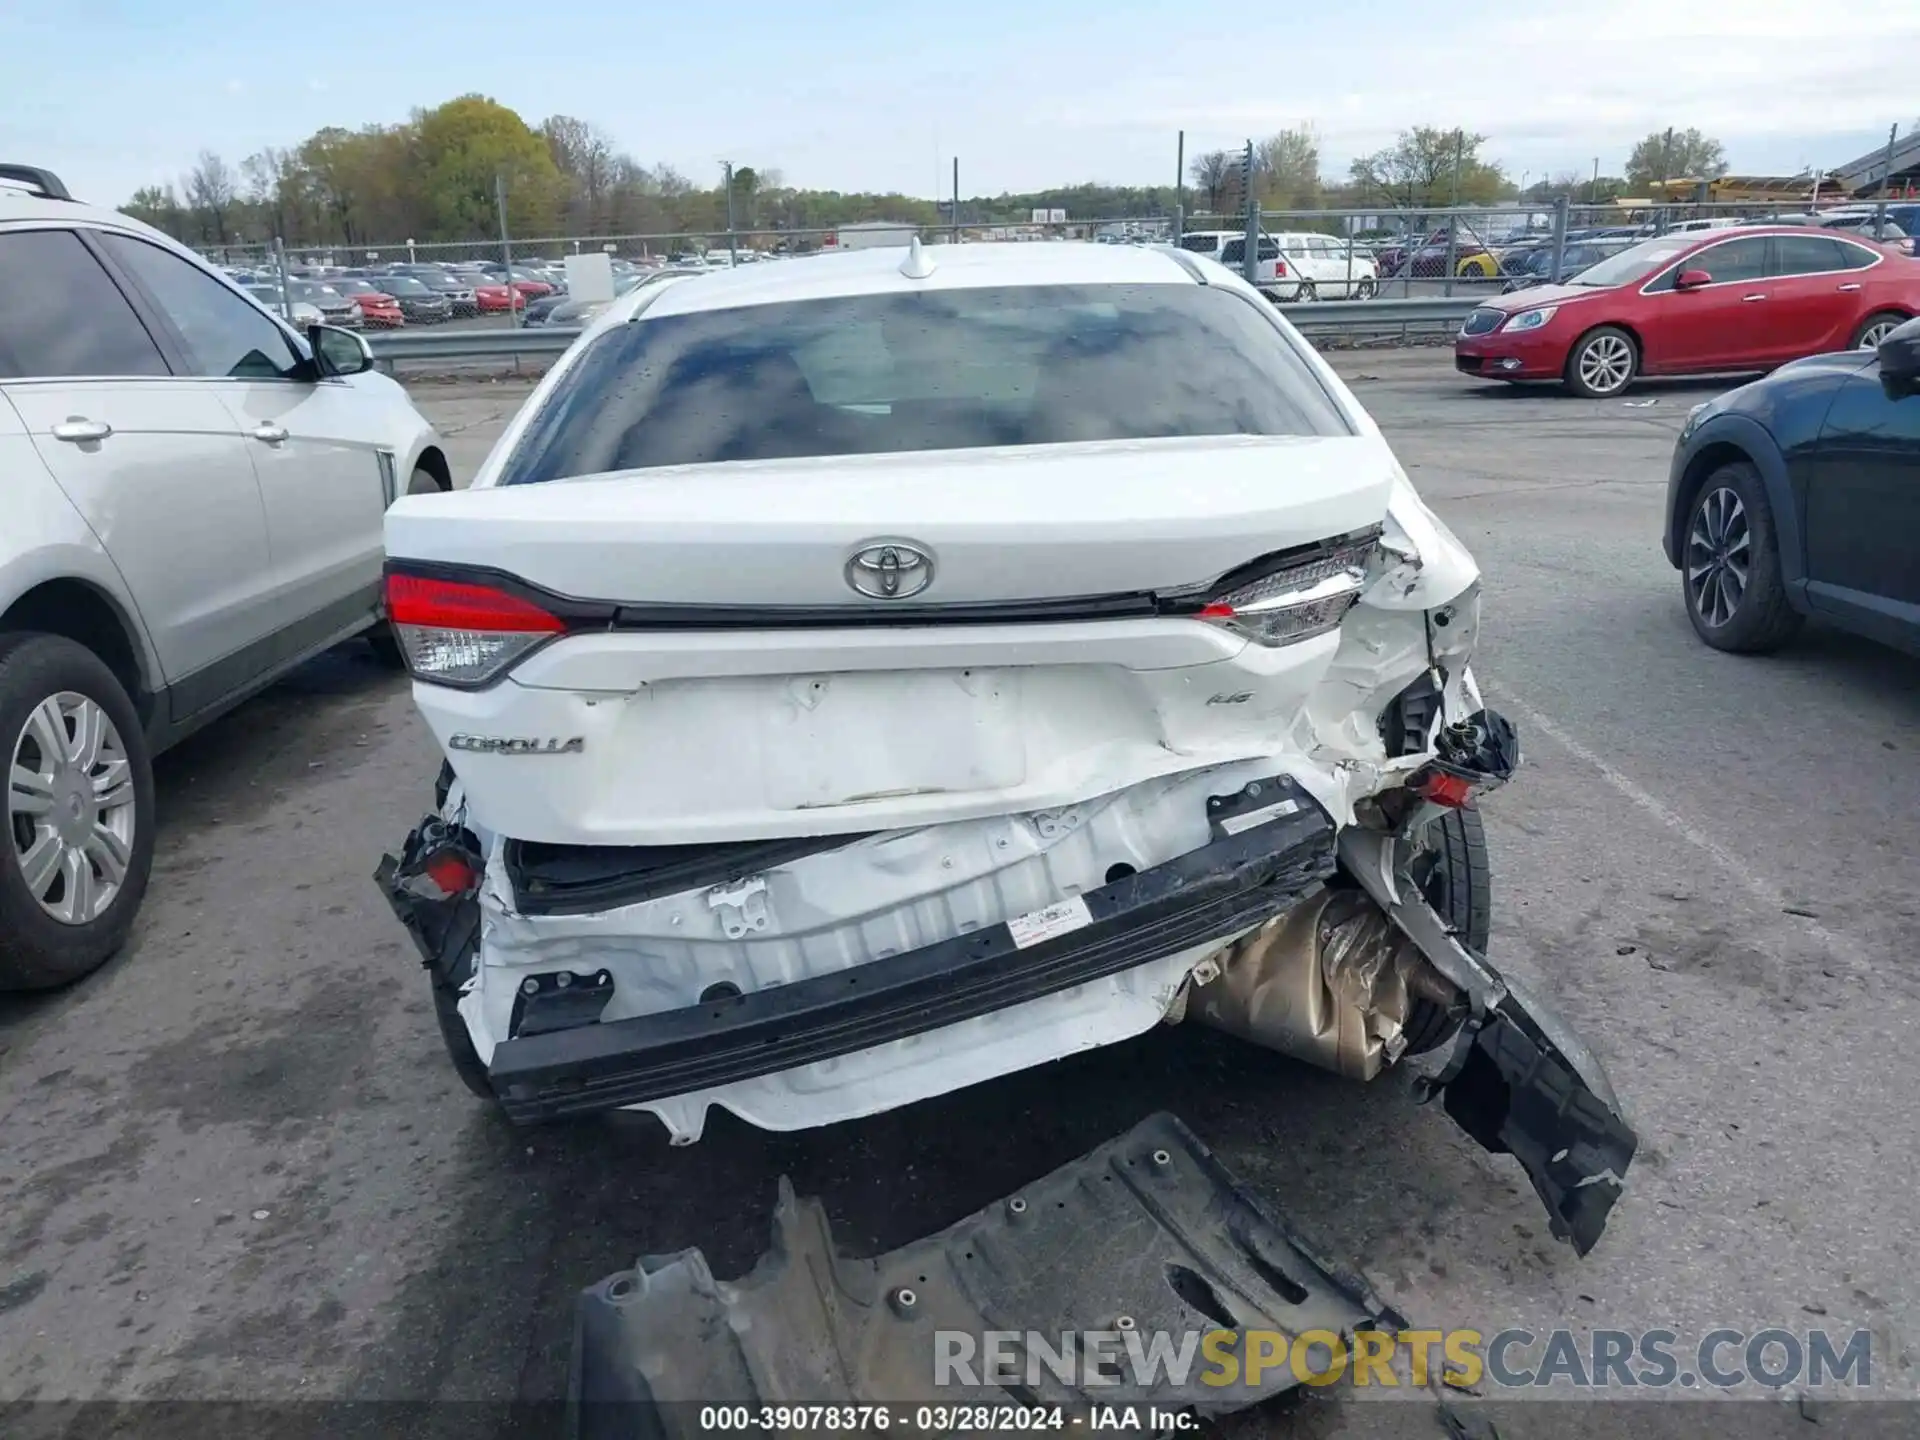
(519, 744)
(889, 569)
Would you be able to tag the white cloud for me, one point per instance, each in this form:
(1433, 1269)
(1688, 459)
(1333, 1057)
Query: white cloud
(1581, 80)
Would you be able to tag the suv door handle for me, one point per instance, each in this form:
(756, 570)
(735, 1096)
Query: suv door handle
(1855, 285)
(269, 434)
(1749, 299)
(78, 430)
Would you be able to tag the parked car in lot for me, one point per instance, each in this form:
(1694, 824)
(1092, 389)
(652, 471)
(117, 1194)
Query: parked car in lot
(1709, 302)
(561, 310)
(495, 298)
(1799, 495)
(1536, 268)
(1001, 748)
(1868, 223)
(378, 308)
(1273, 277)
(420, 304)
(335, 306)
(456, 290)
(192, 501)
(299, 313)
(1472, 258)
(1327, 268)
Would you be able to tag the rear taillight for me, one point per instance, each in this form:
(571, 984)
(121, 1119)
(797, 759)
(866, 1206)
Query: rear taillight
(1280, 268)
(1295, 599)
(455, 632)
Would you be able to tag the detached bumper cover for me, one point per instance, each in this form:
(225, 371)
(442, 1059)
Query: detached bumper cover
(1148, 1239)
(1272, 844)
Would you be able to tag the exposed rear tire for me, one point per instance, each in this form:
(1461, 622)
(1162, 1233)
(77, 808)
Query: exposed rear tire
(386, 646)
(1730, 565)
(1306, 292)
(64, 717)
(1456, 879)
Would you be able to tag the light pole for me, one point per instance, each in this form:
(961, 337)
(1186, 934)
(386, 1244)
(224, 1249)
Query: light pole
(733, 244)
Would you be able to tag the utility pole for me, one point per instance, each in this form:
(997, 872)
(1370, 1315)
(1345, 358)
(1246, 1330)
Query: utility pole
(1593, 193)
(1250, 266)
(506, 250)
(1886, 185)
(1453, 208)
(956, 200)
(733, 243)
(1179, 185)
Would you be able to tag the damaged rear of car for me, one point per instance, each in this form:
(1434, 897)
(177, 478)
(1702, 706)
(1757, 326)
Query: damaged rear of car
(866, 680)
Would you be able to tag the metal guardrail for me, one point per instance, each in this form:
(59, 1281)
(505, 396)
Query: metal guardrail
(1331, 318)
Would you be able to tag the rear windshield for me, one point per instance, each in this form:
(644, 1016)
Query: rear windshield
(941, 370)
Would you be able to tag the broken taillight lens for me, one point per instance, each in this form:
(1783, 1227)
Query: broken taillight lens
(455, 632)
(1297, 598)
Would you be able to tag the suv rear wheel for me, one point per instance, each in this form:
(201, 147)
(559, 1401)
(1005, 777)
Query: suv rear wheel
(78, 844)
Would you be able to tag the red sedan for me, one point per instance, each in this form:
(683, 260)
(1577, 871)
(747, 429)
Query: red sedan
(1746, 298)
(376, 306)
(494, 298)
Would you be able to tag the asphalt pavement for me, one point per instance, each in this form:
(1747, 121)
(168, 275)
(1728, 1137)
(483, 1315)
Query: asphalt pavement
(236, 1165)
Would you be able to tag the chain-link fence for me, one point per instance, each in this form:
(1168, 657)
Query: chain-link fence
(1351, 254)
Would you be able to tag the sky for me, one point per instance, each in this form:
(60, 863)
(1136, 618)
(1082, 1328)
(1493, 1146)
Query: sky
(884, 94)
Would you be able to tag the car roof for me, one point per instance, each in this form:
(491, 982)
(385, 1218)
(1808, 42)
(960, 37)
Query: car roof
(955, 267)
(26, 206)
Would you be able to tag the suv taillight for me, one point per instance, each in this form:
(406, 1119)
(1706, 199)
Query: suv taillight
(455, 632)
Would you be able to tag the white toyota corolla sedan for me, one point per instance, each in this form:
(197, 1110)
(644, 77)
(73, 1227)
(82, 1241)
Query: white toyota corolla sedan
(864, 677)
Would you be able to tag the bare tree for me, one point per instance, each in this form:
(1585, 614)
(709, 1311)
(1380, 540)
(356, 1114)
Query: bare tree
(1424, 168)
(586, 157)
(1214, 172)
(1287, 168)
(210, 190)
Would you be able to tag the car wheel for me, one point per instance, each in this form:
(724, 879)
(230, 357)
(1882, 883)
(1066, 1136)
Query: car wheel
(1364, 289)
(1876, 328)
(1456, 879)
(1306, 292)
(1602, 363)
(79, 837)
(1730, 565)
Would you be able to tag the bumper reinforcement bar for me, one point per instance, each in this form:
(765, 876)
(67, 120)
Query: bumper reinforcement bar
(1271, 845)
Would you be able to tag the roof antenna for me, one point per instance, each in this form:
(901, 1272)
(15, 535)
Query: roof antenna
(918, 265)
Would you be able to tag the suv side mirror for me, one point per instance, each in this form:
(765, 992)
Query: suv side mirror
(1691, 279)
(339, 352)
(1900, 361)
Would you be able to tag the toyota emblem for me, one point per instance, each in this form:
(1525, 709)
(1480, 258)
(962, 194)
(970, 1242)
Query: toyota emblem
(890, 570)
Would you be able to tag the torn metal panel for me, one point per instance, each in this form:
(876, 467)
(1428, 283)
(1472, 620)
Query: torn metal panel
(1147, 1236)
(1514, 1076)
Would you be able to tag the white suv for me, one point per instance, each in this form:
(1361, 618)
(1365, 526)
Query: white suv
(1327, 268)
(866, 678)
(1273, 277)
(191, 497)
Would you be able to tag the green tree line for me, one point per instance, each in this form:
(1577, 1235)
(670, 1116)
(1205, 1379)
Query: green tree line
(439, 177)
